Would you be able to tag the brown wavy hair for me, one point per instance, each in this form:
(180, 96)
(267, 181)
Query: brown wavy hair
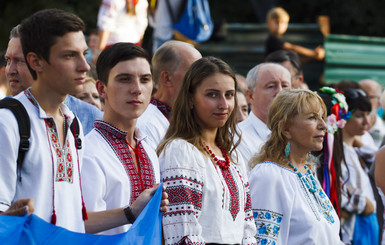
(184, 122)
(284, 108)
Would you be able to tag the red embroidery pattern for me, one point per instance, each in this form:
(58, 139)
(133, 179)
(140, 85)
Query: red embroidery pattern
(64, 163)
(165, 109)
(145, 178)
(234, 192)
(184, 195)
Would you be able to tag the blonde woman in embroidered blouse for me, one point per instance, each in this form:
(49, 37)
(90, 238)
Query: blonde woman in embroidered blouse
(208, 192)
(289, 205)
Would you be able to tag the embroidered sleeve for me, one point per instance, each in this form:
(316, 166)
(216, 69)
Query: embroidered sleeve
(249, 231)
(352, 199)
(271, 212)
(184, 187)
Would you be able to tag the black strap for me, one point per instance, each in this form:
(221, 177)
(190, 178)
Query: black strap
(24, 123)
(76, 131)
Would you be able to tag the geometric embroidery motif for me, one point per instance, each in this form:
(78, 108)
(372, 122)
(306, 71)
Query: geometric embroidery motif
(184, 195)
(165, 109)
(268, 226)
(64, 163)
(234, 192)
(141, 179)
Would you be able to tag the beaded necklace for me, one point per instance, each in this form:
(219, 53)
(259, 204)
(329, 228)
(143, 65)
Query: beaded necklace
(304, 180)
(222, 164)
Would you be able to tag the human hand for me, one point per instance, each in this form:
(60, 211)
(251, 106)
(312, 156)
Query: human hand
(20, 207)
(144, 197)
(320, 53)
(369, 208)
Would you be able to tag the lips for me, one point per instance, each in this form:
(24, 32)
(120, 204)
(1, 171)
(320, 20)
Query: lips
(135, 102)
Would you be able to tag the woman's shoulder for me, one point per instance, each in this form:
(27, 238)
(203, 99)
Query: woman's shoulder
(270, 170)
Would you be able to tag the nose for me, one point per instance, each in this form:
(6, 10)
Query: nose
(223, 103)
(83, 65)
(136, 87)
(366, 120)
(322, 124)
(11, 68)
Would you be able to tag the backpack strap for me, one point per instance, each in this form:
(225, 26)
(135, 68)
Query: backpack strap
(75, 129)
(24, 124)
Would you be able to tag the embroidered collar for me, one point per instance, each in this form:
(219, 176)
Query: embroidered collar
(109, 129)
(165, 109)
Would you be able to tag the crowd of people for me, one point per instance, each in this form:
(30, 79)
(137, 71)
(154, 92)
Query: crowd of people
(259, 159)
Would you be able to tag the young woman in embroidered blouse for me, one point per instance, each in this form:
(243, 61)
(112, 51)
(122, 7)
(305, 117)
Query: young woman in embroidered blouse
(289, 205)
(119, 163)
(208, 191)
(358, 202)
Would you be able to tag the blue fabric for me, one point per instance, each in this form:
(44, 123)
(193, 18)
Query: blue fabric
(86, 113)
(366, 230)
(31, 230)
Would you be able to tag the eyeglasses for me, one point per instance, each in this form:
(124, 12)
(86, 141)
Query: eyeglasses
(354, 93)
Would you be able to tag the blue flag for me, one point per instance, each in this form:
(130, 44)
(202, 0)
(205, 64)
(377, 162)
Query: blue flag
(31, 230)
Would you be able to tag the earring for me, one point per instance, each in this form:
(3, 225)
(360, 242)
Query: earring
(287, 149)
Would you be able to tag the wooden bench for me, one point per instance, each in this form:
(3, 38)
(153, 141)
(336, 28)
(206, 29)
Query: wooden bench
(244, 47)
(354, 58)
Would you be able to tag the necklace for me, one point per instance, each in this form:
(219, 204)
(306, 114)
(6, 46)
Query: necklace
(222, 164)
(304, 180)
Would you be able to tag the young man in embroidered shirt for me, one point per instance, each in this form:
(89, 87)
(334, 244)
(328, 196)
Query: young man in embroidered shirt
(170, 62)
(119, 163)
(54, 48)
(20, 79)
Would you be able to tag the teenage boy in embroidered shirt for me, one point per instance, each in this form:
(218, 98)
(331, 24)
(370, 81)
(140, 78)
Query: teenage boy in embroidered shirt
(119, 163)
(54, 48)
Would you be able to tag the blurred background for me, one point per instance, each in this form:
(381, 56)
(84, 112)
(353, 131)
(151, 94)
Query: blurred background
(239, 20)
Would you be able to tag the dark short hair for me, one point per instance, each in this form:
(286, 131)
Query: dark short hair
(40, 31)
(116, 53)
(280, 56)
(357, 99)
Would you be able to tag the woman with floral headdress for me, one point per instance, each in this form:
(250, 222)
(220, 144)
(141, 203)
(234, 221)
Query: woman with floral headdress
(359, 223)
(289, 206)
(329, 172)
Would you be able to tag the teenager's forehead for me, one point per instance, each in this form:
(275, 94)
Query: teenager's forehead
(71, 40)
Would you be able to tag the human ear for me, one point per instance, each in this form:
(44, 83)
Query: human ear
(249, 96)
(285, 130)
(165, 78)
(101, 89)
(35, 62)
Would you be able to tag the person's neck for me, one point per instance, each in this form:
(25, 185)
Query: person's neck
(164, 97)
(347, 138)
(297, 157)
(260, 115)
(49, 100)
(126, 125)
(208, 136)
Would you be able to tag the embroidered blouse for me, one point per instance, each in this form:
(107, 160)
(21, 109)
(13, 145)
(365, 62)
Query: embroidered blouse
(285, 211)
(207, 204)
(110, 178)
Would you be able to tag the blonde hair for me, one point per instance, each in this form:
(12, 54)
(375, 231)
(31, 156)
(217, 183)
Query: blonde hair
(278, 13)
(284, 108)
(184, 123)
(90, 80)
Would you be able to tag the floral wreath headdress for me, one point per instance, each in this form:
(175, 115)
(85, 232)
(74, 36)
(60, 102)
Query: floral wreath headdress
(339, 112)
(337, 119)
